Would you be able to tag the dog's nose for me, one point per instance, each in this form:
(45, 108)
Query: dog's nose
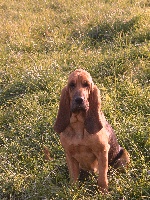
(79, 100)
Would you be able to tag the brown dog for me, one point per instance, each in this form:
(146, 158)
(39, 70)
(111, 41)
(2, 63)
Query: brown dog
(87, 138)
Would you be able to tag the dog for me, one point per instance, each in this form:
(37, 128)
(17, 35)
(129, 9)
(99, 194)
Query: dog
(89, 141)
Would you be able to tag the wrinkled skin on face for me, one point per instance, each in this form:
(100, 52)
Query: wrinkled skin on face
(79, 86)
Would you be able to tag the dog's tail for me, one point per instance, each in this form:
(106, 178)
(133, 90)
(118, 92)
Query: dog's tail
(121, 160)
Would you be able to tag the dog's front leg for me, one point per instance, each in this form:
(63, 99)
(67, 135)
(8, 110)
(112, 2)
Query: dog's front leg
(73, 167)
(103, 169)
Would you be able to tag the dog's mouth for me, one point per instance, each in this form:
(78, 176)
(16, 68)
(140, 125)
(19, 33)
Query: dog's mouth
(78, 108)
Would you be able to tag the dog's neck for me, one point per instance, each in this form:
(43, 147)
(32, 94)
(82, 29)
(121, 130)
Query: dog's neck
(78, 117)
(77, 124)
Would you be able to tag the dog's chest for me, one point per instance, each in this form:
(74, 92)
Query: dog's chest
(75, 134)
(81, 145)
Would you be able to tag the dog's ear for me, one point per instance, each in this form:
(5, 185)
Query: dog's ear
(92, 121)
(63, 116)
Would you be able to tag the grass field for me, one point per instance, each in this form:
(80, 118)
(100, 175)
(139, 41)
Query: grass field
(41, 43)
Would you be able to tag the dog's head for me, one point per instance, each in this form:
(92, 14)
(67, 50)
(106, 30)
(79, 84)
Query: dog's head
(79, 87)
(80, 95)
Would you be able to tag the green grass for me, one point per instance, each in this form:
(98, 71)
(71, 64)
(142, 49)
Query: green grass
(41, 43)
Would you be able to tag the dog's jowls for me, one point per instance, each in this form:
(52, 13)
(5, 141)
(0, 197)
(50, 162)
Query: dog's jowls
(87, 138)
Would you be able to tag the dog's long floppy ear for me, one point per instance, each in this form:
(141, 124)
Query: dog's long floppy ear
(63, 116)
(92, 121)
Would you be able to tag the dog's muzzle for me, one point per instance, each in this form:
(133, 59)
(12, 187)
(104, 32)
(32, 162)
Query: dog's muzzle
(79, 104)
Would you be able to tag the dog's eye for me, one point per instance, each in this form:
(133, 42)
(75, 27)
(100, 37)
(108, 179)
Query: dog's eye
(72, 85)
(86, 84)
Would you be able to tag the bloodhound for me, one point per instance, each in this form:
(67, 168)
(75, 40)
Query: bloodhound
(87, 138)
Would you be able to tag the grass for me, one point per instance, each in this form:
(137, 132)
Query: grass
(41, 43)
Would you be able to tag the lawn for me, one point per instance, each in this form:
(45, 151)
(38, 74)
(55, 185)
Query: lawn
(41, 43)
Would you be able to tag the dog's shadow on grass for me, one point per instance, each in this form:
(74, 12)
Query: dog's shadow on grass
(87, 180)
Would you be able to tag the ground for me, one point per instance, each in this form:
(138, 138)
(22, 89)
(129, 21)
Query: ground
(41, 43)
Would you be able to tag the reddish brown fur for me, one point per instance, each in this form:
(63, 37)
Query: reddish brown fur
(87, 138)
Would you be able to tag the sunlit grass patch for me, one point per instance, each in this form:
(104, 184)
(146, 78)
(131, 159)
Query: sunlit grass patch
(41, 43)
